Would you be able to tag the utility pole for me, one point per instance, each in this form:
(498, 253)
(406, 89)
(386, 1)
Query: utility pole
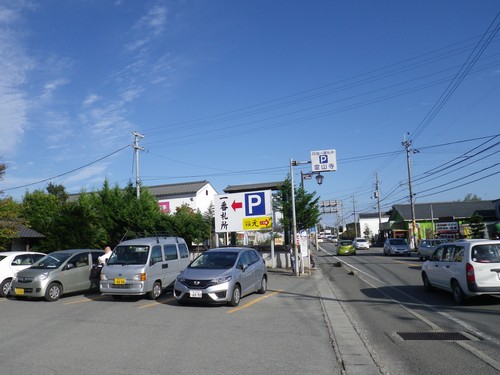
(407, 145)
(377, 195)
(354, 211)
(137, 136)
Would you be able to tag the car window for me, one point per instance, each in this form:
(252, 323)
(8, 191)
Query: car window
(254, 257)
(80, 260)
(215, 260)
(397, 241)
(244, 260)
(49, 261)
(155, 254)
(23, 259)
(130, 254)
(459, 254)
(2, 257)
(486, 253)
(448, 252)
(183, 250)
(170, 252)
(438, 253)
(95, 255)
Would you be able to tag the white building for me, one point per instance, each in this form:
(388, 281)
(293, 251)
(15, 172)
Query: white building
(370, 221)
(198, 195)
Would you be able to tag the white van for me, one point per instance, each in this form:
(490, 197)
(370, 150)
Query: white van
(144, 266)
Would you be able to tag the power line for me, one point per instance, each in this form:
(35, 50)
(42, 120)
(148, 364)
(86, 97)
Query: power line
(68, 172)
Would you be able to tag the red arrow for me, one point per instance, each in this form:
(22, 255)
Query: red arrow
(236, 205)
(264, 223)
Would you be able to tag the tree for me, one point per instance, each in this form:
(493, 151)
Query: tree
(188, 224)
(307, 213)
(477, 226)
(10, 222)
(471, 198)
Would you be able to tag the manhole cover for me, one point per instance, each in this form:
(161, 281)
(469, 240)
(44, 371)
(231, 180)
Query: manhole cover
(444, 336)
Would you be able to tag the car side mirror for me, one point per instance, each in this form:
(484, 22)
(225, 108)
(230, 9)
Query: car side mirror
(70, 266)
(243, 267)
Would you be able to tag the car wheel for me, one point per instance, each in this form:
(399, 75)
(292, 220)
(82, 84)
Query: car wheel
(53, 292)
(235, 297)
(420, 257)
(5, 287)
(458, 293)
(156, 291)
(263, 285)
(427, 283)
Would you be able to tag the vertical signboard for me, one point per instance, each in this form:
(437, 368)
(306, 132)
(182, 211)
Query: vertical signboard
(243, 211)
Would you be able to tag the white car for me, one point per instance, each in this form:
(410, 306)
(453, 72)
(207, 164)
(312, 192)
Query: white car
(467, 268)
(361, 244)
(11, 262)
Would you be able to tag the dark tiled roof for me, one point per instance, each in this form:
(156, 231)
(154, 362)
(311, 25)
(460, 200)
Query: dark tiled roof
(164, 191)
(176, 189)
(372, 215)
(254, 187)
(455, 210)
(29, 233)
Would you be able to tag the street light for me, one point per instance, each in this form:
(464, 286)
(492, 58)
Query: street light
(319, 180)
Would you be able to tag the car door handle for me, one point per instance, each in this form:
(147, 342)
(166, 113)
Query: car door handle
(164, 265)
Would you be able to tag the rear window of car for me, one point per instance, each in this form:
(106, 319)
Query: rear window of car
(397, 241)
(487, 253)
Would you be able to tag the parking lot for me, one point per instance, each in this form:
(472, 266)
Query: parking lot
(281, 332)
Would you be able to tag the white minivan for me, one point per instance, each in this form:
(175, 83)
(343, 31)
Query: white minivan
(144, 266)
(467, 268)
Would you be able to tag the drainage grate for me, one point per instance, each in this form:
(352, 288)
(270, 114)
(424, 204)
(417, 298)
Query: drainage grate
(444, 336)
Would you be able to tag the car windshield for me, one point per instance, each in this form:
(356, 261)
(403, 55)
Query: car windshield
(215, 260)
(129, 254)
(345, 243)
(360, 240)
(397, 241)
(51, 261)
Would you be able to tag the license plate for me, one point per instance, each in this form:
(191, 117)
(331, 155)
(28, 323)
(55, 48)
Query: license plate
(195, 293)
(19, 291)
(119, 281)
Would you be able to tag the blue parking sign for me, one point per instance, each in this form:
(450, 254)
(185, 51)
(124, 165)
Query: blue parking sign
(255, 204)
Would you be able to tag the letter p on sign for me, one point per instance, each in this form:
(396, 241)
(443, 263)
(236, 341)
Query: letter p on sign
(255, 204)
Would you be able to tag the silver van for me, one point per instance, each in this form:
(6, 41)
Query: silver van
(144, 266)
(57, 273)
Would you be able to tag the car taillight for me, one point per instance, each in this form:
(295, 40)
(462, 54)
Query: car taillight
(469, 272)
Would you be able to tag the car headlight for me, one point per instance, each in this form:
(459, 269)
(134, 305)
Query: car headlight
(222, 280)
(181, 279)
(41, 277)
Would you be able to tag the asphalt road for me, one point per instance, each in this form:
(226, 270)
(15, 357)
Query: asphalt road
(401, 324)
(281, 332)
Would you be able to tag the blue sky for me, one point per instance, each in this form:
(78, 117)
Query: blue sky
(231, 91)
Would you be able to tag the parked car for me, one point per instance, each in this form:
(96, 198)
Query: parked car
(466, 268)
(57, 273)
(144, 266)
(426, 247)
(396, 246)
(11, 262)
(345, 247)
(222, 275)
(360, 243)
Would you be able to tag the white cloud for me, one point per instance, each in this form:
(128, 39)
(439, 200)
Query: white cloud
(14, 67)
(91, 99)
